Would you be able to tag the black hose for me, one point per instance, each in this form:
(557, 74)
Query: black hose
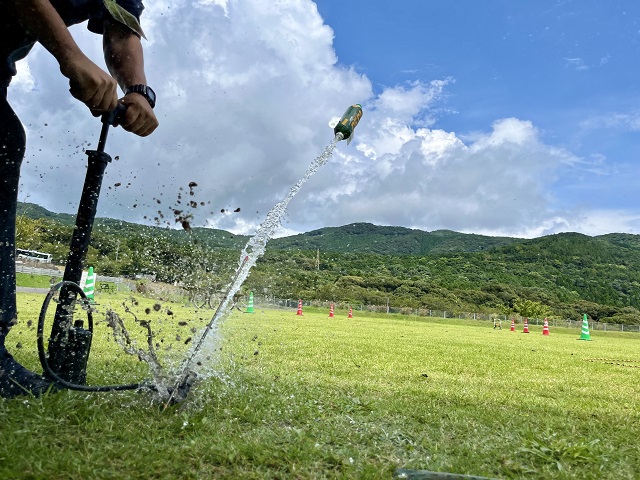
(43, 356)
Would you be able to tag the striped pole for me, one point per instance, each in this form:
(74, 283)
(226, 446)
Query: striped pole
(89, 286)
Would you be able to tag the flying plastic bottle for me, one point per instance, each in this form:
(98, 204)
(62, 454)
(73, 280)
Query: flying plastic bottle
(348, 122)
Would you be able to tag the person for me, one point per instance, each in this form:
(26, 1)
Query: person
(22, 24)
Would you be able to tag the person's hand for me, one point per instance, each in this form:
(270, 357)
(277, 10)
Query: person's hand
(139, 117)
(90, 84)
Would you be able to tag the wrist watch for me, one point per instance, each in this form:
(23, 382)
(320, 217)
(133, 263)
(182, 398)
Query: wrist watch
(144, 90)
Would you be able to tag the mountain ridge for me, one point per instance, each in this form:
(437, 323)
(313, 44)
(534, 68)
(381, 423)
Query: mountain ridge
(357, 237)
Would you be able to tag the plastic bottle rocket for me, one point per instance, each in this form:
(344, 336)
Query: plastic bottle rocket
(348, 122)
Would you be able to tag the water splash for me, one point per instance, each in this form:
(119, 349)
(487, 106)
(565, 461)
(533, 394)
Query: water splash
(199, 357)
(149, 355)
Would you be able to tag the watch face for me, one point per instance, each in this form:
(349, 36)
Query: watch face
(151, 94)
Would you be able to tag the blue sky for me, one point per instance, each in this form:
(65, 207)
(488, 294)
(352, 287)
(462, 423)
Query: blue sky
(495, 117)
(571, 67)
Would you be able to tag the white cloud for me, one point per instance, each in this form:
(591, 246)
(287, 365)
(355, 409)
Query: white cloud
(626, 121)
(430, 179)
(407, 103)
(24, 80)
(224, 4)
(577, 63)
(599, 222)
(246, 90)
(592, 222)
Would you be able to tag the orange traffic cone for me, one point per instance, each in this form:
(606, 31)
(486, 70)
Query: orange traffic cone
(350, 313)
(545, 327)
(331, 315)
(513, 325)
(299, 307)
(526, 326)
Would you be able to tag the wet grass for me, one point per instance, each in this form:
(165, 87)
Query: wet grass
(318, 397)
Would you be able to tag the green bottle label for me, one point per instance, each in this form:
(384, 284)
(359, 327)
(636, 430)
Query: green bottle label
(349, 121)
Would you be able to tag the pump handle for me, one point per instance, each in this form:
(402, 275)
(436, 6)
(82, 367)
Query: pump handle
(110, 118)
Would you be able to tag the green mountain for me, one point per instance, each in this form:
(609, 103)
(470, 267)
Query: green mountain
(566, 274)
(353, 238)
(368, 238)
(209, 237)
(31, 210)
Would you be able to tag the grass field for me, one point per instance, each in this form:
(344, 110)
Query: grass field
(316, 397)
(33, 281)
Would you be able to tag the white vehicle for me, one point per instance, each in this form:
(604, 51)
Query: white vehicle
(33, 256)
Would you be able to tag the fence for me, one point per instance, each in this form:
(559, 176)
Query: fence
(56, 274)
(50, 272)
(267, 300)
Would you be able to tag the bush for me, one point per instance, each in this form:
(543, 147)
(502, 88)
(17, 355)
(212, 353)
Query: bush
(622, 318)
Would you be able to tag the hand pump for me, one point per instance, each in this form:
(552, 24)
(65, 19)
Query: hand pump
(70, 342)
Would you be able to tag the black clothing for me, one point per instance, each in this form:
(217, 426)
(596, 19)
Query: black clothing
(12, 147)
(15, 42)
(14, 378)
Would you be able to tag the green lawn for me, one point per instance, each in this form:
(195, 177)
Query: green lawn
(318, 397)
(33, 281)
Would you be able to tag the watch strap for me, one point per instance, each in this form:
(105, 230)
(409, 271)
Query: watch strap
(144, 90)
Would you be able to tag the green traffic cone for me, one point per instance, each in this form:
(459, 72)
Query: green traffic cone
(584, 335)
(250, 306)
(89, 285)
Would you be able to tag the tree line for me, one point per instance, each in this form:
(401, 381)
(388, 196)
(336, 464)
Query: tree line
(563, 275)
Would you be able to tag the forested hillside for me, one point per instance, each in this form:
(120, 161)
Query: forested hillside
(564, 275)
(368, 238)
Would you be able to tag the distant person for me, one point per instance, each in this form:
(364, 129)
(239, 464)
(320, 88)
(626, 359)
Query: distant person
(22, 24)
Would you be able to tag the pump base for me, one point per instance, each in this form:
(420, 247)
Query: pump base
(179, 392)
(183, 389)
(16, 380)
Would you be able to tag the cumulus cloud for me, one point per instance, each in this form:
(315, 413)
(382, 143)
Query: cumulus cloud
(430, 179)
(246, 90)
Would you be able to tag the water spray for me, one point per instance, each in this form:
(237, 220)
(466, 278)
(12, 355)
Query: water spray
(256, 245)
(186, 373)
(69, 346)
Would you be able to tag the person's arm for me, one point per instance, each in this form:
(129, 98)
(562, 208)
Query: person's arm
(87, 82)
(125, 60)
